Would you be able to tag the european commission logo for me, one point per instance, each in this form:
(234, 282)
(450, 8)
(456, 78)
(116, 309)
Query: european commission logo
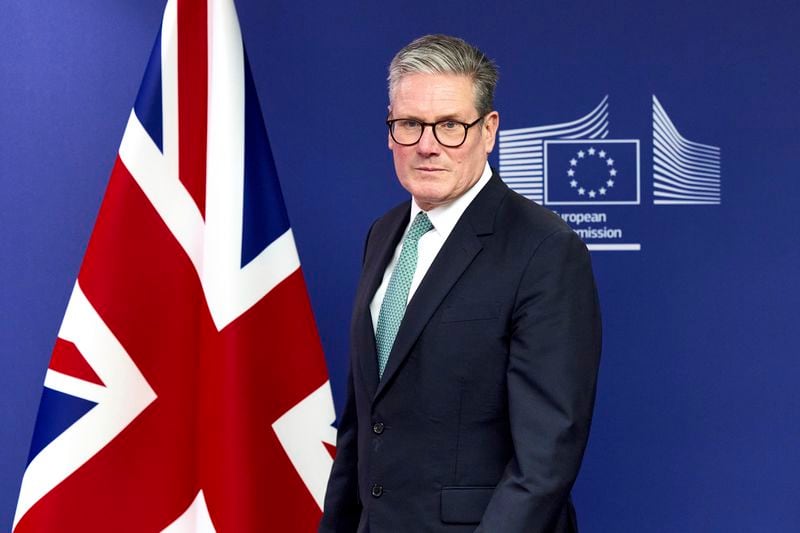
(685, 172)
(576, 170)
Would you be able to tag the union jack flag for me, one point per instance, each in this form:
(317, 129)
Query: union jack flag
(187, 390)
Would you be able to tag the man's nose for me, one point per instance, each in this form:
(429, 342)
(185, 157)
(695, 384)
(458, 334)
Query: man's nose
(428, 144)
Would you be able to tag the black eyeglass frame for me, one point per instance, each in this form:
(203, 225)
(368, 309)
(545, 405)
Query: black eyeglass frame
(390, 124)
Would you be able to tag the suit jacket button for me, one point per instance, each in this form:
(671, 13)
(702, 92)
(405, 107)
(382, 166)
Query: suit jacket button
(377, 490)
(377, 428)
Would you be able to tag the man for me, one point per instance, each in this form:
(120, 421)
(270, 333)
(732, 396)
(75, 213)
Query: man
(476, 330)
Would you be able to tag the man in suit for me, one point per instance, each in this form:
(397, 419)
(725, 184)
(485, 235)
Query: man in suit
(475, 337)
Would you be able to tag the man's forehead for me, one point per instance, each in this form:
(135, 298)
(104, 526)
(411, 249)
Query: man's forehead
(433, 95)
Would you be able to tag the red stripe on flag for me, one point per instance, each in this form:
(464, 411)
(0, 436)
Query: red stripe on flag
(257, 368)
(193, 96)
(68, 360)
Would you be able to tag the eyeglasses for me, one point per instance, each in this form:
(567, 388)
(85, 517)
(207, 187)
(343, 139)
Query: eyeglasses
(449, 133)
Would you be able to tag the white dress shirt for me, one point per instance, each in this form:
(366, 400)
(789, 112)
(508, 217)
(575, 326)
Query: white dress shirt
(444, 219)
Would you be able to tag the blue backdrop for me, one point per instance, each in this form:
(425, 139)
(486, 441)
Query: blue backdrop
(696, 426)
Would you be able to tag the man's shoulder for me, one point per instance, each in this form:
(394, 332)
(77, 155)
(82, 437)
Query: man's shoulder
(527, 219)
(528, 213)
(525, 229)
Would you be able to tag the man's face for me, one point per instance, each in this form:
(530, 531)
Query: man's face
(432, 173)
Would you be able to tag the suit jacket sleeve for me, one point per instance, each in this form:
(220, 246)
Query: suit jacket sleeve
(342, 505)
(555, 341)
(342, 508)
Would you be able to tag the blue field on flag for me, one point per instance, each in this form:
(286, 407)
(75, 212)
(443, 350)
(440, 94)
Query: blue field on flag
(590, 172)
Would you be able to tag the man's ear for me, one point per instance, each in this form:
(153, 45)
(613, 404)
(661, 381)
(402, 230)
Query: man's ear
(489, 130)
(388, 117)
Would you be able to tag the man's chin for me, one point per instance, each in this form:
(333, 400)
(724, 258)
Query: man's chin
(428, 200)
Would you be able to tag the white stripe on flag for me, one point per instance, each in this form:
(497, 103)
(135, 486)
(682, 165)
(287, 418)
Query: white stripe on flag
(195, 519)
(74, 387)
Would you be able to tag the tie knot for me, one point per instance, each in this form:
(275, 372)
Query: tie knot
(419, 227)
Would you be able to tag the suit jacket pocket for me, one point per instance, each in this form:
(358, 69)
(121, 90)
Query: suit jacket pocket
(465, 505)
(464, 311)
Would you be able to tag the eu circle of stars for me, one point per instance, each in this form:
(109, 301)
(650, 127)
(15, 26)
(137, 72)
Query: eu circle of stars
(585, 157)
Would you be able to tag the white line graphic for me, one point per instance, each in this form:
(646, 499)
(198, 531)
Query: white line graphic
(632, 247)
(684, 172)
(521, 150)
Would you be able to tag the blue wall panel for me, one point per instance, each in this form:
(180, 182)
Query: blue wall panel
(695, 427)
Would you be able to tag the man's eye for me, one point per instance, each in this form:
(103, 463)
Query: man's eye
(408, 124)
(448, 125)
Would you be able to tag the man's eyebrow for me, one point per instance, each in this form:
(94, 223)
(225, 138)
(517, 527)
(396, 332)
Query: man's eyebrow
(441, 118)
(451, 116)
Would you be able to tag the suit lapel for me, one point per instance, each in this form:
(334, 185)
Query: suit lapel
(455, 256)
(381, 244)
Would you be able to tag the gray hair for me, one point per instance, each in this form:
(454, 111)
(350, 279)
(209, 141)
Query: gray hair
(443, 54)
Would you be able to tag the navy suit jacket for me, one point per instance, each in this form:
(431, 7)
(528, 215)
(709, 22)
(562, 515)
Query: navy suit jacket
(482, 415)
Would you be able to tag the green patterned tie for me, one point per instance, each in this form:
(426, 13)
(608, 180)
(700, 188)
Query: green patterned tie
(394, 302)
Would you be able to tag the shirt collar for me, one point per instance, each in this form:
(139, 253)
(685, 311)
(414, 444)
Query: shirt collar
(445, 217)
